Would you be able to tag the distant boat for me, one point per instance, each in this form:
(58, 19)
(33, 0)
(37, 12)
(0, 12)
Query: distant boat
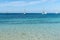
(24, 11)
(56, 12)
(44, 12)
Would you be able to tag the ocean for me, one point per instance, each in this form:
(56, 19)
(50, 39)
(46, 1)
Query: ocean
(29, 26)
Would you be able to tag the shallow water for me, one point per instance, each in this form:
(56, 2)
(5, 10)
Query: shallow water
(47, 28)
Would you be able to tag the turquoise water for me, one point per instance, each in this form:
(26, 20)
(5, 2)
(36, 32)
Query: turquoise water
(29, 28)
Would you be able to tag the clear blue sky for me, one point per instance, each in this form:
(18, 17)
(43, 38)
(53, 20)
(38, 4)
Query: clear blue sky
(29, 5)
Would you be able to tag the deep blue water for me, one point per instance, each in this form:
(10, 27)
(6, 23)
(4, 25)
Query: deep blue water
(28, 15)
(29, 18)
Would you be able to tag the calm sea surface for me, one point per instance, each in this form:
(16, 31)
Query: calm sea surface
(30, 26)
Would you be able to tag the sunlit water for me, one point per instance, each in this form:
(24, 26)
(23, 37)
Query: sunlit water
(30, 28)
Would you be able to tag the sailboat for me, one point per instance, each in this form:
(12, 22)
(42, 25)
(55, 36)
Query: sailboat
(44, 12)
(24, 11)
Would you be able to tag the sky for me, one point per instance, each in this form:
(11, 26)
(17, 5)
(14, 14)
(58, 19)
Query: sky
(30, 6)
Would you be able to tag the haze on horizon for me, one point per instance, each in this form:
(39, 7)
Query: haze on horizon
(31, 6)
